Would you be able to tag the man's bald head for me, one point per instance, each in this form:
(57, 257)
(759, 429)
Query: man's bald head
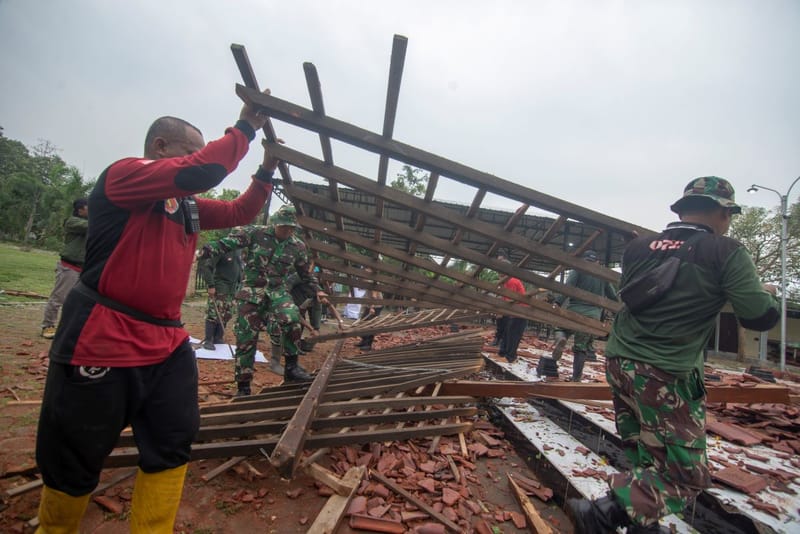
(171, 136)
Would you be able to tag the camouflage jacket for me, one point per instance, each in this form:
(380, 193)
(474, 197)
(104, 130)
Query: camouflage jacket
(267, 261)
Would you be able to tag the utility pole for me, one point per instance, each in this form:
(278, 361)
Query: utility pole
(784, 239)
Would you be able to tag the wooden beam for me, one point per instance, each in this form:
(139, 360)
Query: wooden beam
(290, 445)
(328, 519)
(563, 391)
(396, 63)
(419, 503)
(536, 524)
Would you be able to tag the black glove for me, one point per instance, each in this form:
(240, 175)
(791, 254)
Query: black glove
(265, 176)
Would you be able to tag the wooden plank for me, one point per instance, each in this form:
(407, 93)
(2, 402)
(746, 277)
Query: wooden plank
(419, 503)
(290, 445)
(331, 515)
(396, 64)
(305, 118)
(571, 391)
(129, 456)
(536, 524)
(214, 473)
(329, 478)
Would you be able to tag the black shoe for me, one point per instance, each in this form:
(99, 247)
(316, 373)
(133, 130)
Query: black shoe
(295, 373)
(598, 516)
(243, 390)
(306, 346)
(219, 333)
(292, 372)
(208, 339)
(511, 359)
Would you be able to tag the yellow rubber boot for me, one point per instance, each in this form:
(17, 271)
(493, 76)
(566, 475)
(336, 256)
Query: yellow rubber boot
(156, 497)
(60, 513)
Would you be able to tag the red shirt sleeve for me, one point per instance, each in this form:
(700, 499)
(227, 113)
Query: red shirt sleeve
(226, 213)
(134, 181)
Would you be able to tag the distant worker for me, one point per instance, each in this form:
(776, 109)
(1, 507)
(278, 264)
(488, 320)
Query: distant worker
(514, 327)
(369, 312)
(655, 356)
(271, 254)
(120, 355)
(583, 344)
(69, 265)
(222, 274)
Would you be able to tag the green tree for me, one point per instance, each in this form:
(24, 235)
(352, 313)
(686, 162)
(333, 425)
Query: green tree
(213, 235)
(36, 192)
(759, 230)
(411, 180)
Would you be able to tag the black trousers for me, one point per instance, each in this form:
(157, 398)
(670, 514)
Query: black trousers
(85, 408)
(500, 327)
(368, 339)
(515, 327)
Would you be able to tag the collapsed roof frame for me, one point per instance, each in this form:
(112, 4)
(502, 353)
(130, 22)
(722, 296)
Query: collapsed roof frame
(406, 260)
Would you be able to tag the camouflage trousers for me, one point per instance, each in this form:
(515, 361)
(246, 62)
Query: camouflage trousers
(661, 419)
(583, 342)
(278, 315)
(225, 304)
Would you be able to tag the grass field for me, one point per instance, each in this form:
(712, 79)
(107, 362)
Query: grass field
(26, 270)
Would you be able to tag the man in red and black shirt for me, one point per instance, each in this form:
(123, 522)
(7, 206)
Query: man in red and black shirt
(513, 327)
(120, 355)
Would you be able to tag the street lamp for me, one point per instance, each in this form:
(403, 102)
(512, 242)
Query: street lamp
(784, 238)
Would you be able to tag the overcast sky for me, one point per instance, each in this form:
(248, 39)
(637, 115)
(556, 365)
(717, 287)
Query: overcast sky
(611, 105)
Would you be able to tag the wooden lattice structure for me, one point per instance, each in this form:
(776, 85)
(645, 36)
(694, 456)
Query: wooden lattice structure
(416, 248)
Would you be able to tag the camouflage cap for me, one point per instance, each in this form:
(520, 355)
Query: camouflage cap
(717, 189)
(285, 216)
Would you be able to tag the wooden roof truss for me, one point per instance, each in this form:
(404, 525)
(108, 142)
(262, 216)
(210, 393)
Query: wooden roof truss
(417, 248)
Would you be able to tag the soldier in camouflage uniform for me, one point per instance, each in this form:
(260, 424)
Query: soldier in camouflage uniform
(655, 360)
(221, 274)
(305, 298)
(583, 344)
(271, 253)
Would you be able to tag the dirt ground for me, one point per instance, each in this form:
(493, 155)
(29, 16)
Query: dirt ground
(239, 500)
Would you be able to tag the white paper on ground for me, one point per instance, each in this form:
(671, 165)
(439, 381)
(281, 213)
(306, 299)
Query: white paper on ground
(222, 352)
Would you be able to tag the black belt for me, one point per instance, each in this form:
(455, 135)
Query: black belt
(122, 308)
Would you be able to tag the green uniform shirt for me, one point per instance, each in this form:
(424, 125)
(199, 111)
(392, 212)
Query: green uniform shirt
(590, 284)
(672, 333)
(74, 250)
(222, 271)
